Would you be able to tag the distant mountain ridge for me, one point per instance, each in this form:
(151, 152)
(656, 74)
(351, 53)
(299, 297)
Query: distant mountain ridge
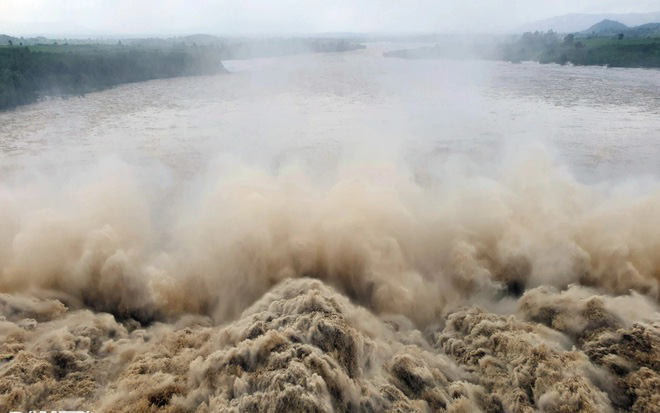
(607, 26)
(574, 23)
(649, 29)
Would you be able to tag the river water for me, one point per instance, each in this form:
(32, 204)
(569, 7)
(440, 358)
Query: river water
(336, 232)
(602, 123)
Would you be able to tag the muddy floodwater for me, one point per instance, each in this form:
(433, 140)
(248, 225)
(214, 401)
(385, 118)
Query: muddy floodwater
(336, 232)
(602, 122)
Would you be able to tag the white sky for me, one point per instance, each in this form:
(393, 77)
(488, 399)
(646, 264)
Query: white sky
(125, 17)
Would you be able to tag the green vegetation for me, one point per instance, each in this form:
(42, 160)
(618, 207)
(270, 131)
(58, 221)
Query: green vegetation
(47, 67)
(611, 52)
(531, 46)
(614, 51)
(627, 49)
(606, 43)
(26, 74)
(607, 26)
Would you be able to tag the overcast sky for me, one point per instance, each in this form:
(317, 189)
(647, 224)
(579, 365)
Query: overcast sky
(130, 17)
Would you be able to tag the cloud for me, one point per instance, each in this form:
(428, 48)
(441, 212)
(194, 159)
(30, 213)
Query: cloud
(296, 16)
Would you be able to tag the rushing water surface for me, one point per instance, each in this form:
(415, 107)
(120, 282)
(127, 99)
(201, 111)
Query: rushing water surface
(603, 122)
(336, 232)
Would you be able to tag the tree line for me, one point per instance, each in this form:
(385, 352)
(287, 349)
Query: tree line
(27, 75)
(549, 47)
(614, 51)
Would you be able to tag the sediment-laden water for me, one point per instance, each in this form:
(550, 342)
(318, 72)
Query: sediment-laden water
(337, 232)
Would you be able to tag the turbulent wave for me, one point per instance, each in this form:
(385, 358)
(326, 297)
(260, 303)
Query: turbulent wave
(527, 291)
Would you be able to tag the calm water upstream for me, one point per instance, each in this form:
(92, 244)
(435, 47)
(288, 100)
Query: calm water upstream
(604, 123)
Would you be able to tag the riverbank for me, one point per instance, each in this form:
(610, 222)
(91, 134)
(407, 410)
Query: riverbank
(597, 51)
(30, 73)
(549, 48)
(38, 70)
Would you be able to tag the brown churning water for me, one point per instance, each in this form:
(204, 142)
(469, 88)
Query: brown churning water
(368, 270)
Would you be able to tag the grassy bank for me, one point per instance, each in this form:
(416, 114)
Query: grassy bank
(46, 67)
(28, 73)
(613, 51)
(607, 51)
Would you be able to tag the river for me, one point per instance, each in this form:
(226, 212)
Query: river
(336, 232)
(603, 123)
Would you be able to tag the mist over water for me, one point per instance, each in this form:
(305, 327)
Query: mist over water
(336, 232)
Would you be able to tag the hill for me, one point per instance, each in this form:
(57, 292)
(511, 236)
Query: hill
(5, 39)
(610, 27)
(645, 30)
(649, 26)
(573, 23)
(607, 26)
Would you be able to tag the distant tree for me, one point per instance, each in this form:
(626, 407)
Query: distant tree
(579, 45)
(568, 39)
(10, 42)
(620, 36)
(25, 75)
